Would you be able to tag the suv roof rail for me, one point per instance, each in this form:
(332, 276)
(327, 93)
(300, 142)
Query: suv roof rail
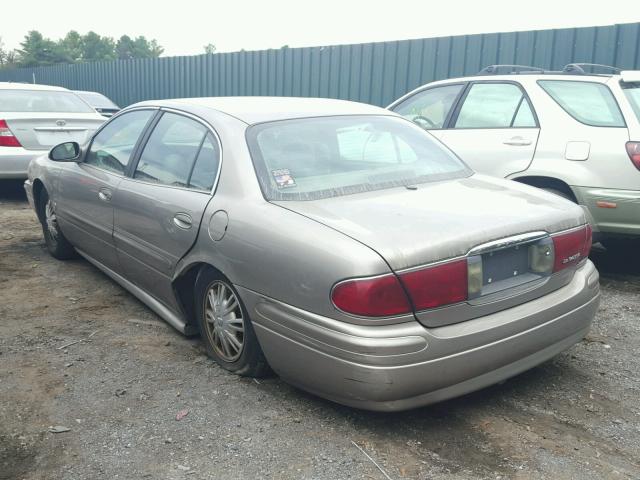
(494, 69)
(579, 68)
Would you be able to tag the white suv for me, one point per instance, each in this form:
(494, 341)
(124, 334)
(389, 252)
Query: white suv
(575, 132)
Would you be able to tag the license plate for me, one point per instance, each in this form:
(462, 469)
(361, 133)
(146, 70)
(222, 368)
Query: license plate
(54, 138)
(505, 264)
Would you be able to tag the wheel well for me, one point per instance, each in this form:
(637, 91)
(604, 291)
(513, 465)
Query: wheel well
(548, 182)
(38, 188)
(184, 286)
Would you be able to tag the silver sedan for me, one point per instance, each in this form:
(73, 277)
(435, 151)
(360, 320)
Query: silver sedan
(34, 118)
(336, 243)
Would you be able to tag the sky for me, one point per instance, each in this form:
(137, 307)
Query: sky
(183, 27)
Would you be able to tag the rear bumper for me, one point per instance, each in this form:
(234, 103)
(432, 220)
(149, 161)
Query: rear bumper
(624, 219)
(398, 367)
(14, 161)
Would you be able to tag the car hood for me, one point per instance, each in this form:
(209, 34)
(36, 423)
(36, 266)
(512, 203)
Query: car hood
(440, 220)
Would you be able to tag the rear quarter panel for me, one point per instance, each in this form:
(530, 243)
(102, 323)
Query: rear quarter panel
(269, 249)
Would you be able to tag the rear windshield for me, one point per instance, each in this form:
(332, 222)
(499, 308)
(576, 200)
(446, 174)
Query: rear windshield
(632, 91)
(590, 103)
(42, 101)
(313, 158)
(97, 100)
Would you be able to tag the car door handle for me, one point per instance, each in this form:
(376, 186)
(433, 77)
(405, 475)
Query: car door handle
(182, 220)
(517, 142)
(104, 195)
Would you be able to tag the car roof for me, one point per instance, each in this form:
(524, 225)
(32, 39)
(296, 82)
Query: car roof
(29, 86)
(89, 91)
(253, 110)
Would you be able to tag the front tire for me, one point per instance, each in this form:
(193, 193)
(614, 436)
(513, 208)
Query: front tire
(225, 327)
(57, 244)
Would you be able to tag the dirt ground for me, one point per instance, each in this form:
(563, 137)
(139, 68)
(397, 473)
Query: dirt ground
(119, 390)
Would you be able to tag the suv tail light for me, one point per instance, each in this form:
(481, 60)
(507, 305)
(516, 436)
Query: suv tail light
(570, 248)
(633, 149)
(7, 138)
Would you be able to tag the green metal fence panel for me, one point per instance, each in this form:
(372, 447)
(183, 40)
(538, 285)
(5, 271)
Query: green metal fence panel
(374, 73)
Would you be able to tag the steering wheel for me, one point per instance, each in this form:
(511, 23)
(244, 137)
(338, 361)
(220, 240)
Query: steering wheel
(420, 119)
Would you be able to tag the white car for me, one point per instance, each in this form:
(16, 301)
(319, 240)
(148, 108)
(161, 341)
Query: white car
(574, 132)
(34, 118)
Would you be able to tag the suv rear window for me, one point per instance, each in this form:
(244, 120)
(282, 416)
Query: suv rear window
(590, 103)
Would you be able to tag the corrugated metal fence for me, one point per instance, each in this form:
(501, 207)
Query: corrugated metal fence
(374, 73)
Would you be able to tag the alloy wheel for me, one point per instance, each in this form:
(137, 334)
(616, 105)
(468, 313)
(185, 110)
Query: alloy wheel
(224, 323)
(51, 220)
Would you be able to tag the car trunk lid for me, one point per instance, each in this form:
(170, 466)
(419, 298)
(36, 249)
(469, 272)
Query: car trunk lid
(41, 131)
(443, 220)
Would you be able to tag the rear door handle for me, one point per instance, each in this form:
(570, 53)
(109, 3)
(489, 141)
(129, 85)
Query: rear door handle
(182, 220)
(517, 142)
(104, 194)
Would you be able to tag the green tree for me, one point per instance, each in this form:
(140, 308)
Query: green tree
(210, 48)
(7, 57)
(73, 46)
(97, 48)
(140, 47)
(37, 50)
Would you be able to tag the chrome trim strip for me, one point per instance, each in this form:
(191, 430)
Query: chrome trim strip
(167, 315)
(507, 242)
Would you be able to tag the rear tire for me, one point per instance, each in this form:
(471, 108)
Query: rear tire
(225, 326)
(57, 244)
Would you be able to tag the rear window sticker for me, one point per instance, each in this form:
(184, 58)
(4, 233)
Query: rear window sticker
(283, 178)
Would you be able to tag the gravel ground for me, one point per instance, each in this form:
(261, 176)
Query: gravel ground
(120, 388)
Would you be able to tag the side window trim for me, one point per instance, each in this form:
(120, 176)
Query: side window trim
(516, 111)
(151, 126)
(145, 130)
(144, 139)
(195, 160)
(455, 112)
(465, 86)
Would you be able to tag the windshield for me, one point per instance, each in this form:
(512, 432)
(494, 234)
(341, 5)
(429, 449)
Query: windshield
(42, 101)
(97, 100)
(313, 158)
(632, 91)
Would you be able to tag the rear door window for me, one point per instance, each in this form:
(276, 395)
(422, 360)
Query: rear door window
(495, 105)
(180, 152)
(590, 103)
(430, 108)
(205, 169)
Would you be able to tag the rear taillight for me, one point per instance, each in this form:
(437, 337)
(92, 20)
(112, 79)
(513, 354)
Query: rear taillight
(439, 285)
(7, 138)
(380, 296)
(384, 296)
(570, 248)
(633, 149)
(454, 281)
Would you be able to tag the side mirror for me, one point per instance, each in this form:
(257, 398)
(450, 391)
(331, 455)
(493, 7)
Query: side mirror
(65, 152)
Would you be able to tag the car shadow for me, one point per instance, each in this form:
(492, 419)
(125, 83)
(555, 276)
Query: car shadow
(12, 191)
(617, 263)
